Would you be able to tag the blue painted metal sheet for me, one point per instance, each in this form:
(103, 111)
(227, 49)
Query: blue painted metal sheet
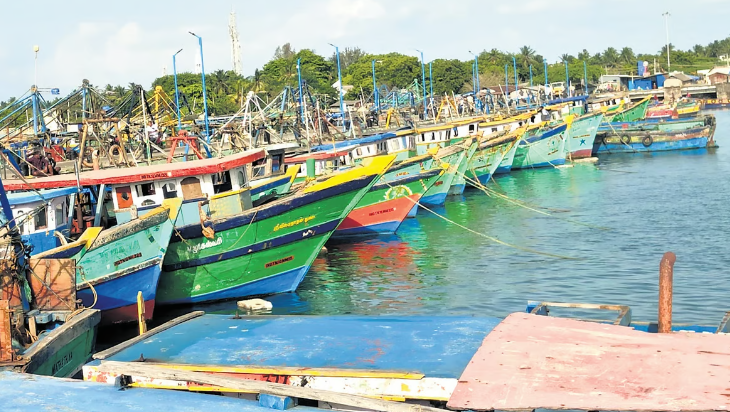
(22, 392)
(20, 198)
(354, 142)
(434, 346)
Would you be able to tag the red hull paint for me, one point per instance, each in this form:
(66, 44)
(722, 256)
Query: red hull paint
(127, 313)
(379, 213)
(580, 154)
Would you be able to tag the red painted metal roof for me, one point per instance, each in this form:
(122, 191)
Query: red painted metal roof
(531, 361)
(140, 173)
(316, 156)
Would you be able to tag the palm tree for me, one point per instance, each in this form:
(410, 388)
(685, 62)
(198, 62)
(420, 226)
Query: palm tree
(567, 58)
(584, 55)
(627, 55)
(526, 57)
(610, 57)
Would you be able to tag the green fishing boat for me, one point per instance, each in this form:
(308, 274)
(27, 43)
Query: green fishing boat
(237, 251)
(634, 112)
(490, 154)
(543, 148)
(453, 156)
(459, 183)
(581, 135)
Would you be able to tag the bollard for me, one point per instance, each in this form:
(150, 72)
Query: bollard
(666, 278)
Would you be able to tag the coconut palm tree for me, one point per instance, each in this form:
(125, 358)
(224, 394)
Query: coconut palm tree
(627, 55)
(610, 57)
(526, 57)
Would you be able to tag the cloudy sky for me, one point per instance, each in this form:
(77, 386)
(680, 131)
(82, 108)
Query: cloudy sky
(133, 40)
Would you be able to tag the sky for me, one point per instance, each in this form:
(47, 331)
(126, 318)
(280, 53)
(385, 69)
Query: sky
(133, 41)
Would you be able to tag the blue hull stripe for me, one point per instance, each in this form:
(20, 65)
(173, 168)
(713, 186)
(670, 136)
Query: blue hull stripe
(502, 170)
(434, 200)
(270, 185)
(256, 247)
(556, 162)
(380, 228)
(406, 179)
(283, 282)
(194, 231)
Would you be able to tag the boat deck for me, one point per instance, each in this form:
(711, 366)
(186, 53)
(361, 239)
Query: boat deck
(435, 346)
(22, 392)
(537, 362)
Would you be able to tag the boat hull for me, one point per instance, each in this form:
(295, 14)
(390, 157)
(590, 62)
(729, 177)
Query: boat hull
(633, 142)
(545, 150)
(436, 194)
(262, 251)
(581, 135)
(506, 165)
(488, 159)
(386, 205)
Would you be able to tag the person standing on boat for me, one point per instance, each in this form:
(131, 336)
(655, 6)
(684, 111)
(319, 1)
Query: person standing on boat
(153, 132)
(39, 164)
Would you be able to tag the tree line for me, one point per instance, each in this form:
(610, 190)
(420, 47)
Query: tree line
(227, 90)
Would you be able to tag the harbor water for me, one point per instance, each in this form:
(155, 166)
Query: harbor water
(634, 208)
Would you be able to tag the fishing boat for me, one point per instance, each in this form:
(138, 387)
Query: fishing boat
(634, 141)
(682, 108)
(114, 265)
(42, 329)
(492, 150)
(581, 135)
(43, 217)
(387, 203)
(236, 250)
(714, 104)
(456, 157)
(541, 147)
(632, 113)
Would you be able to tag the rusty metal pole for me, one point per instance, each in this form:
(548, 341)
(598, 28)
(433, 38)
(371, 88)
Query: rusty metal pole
(666, 278)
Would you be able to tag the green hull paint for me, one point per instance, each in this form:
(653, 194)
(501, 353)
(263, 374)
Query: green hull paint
(582, 134)
(542, 153)
(632, 114)
(396, 190)
(443, 184)
(211, 281)
(486, 161)
(459, 182)
(69, 359)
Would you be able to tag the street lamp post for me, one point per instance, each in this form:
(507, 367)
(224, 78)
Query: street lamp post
(423, 85)
(376, 94)
(546, 76)
(430, 83)
(567, 79)
(35, 90)
(585, 77)
(299, 75)
(339, 91)
(205, 98)
(514, 67)
(477, 86)
(177, 93)
(666, 26)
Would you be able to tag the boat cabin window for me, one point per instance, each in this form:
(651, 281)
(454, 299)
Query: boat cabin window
(276, 162)
(221, 182)
(169, 190)
(40, 220)
(60, 214)
(358, 151)
(124, 197)
(494, 130)
(433, 136)
(423, 137)
(448, 134)
(145, 189)
(259, 168)
(241, 178)
(23, 226)
(148, 202)
(471, 128)
(190, 187)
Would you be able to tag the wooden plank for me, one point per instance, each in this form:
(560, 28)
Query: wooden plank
(6, 343)
(293, 371)
(156, 372)
(131, 342)
(53, 283)
(538, 362)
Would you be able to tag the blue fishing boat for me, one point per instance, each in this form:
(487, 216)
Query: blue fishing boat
(114, 265)
(544, 148)
(43, 217)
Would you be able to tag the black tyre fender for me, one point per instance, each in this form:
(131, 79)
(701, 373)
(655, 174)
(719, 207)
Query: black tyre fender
(626, 139)
(647, 141)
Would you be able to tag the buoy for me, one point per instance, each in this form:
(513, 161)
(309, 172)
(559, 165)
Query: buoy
(323, 251)
(255, 305)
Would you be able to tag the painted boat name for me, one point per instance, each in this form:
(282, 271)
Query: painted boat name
(279, 262)
(65, 360)
(293, 223)
(205, 245)
(127, 259)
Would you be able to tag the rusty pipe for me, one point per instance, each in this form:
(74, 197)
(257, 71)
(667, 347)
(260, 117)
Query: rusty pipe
(666, 279)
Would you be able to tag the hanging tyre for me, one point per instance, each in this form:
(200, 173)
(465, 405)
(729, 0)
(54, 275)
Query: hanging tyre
(626, 139)
(647, 141)
(116, 153)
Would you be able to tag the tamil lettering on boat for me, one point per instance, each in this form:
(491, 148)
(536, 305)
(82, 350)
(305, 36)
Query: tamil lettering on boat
(63, 361)
(293, 223)
(205, 245)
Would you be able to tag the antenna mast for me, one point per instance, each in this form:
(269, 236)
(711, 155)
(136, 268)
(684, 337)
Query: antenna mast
(235, 44)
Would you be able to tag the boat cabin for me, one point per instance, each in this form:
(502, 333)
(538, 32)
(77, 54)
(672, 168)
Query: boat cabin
(39, 215)
(324, 162)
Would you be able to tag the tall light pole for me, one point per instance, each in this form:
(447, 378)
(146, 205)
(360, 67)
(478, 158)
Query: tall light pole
(546, 76)
(205, 98)
(567, 79)
(430, 83)
(177, 93)
(666, 26)
(585, 78)
(423, 80)
(376, 95)
(299, 75)
(514, 67)
(339, 79)
(477, 86)
(35, 90)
